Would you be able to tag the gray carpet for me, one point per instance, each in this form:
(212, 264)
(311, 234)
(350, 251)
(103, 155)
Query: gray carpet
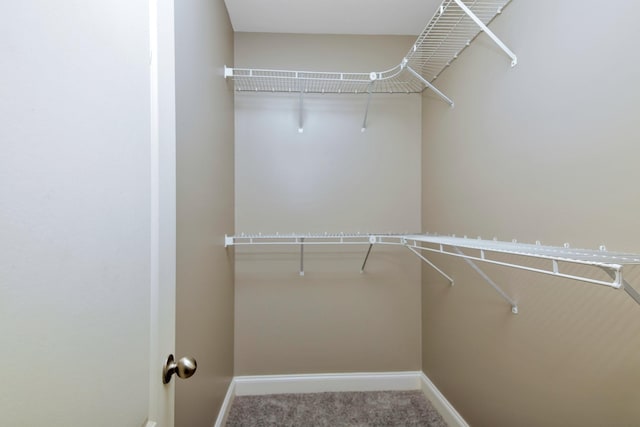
(353, 409)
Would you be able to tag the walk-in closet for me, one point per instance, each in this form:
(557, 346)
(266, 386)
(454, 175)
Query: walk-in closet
(213, 201)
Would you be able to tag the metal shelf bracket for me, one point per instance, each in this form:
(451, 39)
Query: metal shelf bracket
(514, 58)
(302, 256)
(372, 241)
(429, 85)
(630, 290)
(423, 258)
(373, 77)
(514, 305)
(300, 117)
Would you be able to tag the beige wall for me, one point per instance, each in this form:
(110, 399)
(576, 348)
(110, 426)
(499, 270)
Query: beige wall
(545, 151)
(205, 194)
(331, 178)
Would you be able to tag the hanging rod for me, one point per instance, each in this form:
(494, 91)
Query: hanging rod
(472, 250)
(451, 29)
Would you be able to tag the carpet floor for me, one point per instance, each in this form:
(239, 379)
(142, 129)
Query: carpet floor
(353, 409)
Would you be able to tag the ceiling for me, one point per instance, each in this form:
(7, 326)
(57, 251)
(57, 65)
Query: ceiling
(398, 17)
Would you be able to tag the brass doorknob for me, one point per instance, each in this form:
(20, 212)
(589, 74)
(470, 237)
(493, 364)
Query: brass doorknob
(184, 368)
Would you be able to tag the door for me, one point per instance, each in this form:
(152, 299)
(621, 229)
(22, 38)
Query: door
(87, 212)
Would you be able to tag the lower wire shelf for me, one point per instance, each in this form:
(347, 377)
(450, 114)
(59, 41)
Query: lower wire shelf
(554, 258)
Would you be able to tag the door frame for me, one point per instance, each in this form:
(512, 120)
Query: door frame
(162, 210)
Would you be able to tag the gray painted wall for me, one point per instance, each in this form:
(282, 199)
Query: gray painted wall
(545, 151)
(205, 207)
(331, 178)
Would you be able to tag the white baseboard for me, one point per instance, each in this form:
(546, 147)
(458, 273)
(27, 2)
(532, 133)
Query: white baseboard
(221, 420)
(448, 412)
(318, 383)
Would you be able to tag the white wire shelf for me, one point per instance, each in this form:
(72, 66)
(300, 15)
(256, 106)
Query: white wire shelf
(452, 28)
(556, 258)
(601, 258)
(313, 239)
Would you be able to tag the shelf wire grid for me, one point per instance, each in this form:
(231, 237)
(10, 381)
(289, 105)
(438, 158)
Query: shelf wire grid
(598, 258)
(595, 257)
(446, 35)
(611, 262)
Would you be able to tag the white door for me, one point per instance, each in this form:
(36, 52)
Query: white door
(87, 199)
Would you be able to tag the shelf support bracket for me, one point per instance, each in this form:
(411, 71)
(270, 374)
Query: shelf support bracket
(630, 290)
(372, 240)
(430, 86)
(302, 256)
(514, 58)
(300, 123)
(366, 258)
(366, 111)
(419, 255)
(514, 306)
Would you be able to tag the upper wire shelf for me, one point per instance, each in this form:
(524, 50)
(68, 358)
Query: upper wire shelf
(451, 29)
